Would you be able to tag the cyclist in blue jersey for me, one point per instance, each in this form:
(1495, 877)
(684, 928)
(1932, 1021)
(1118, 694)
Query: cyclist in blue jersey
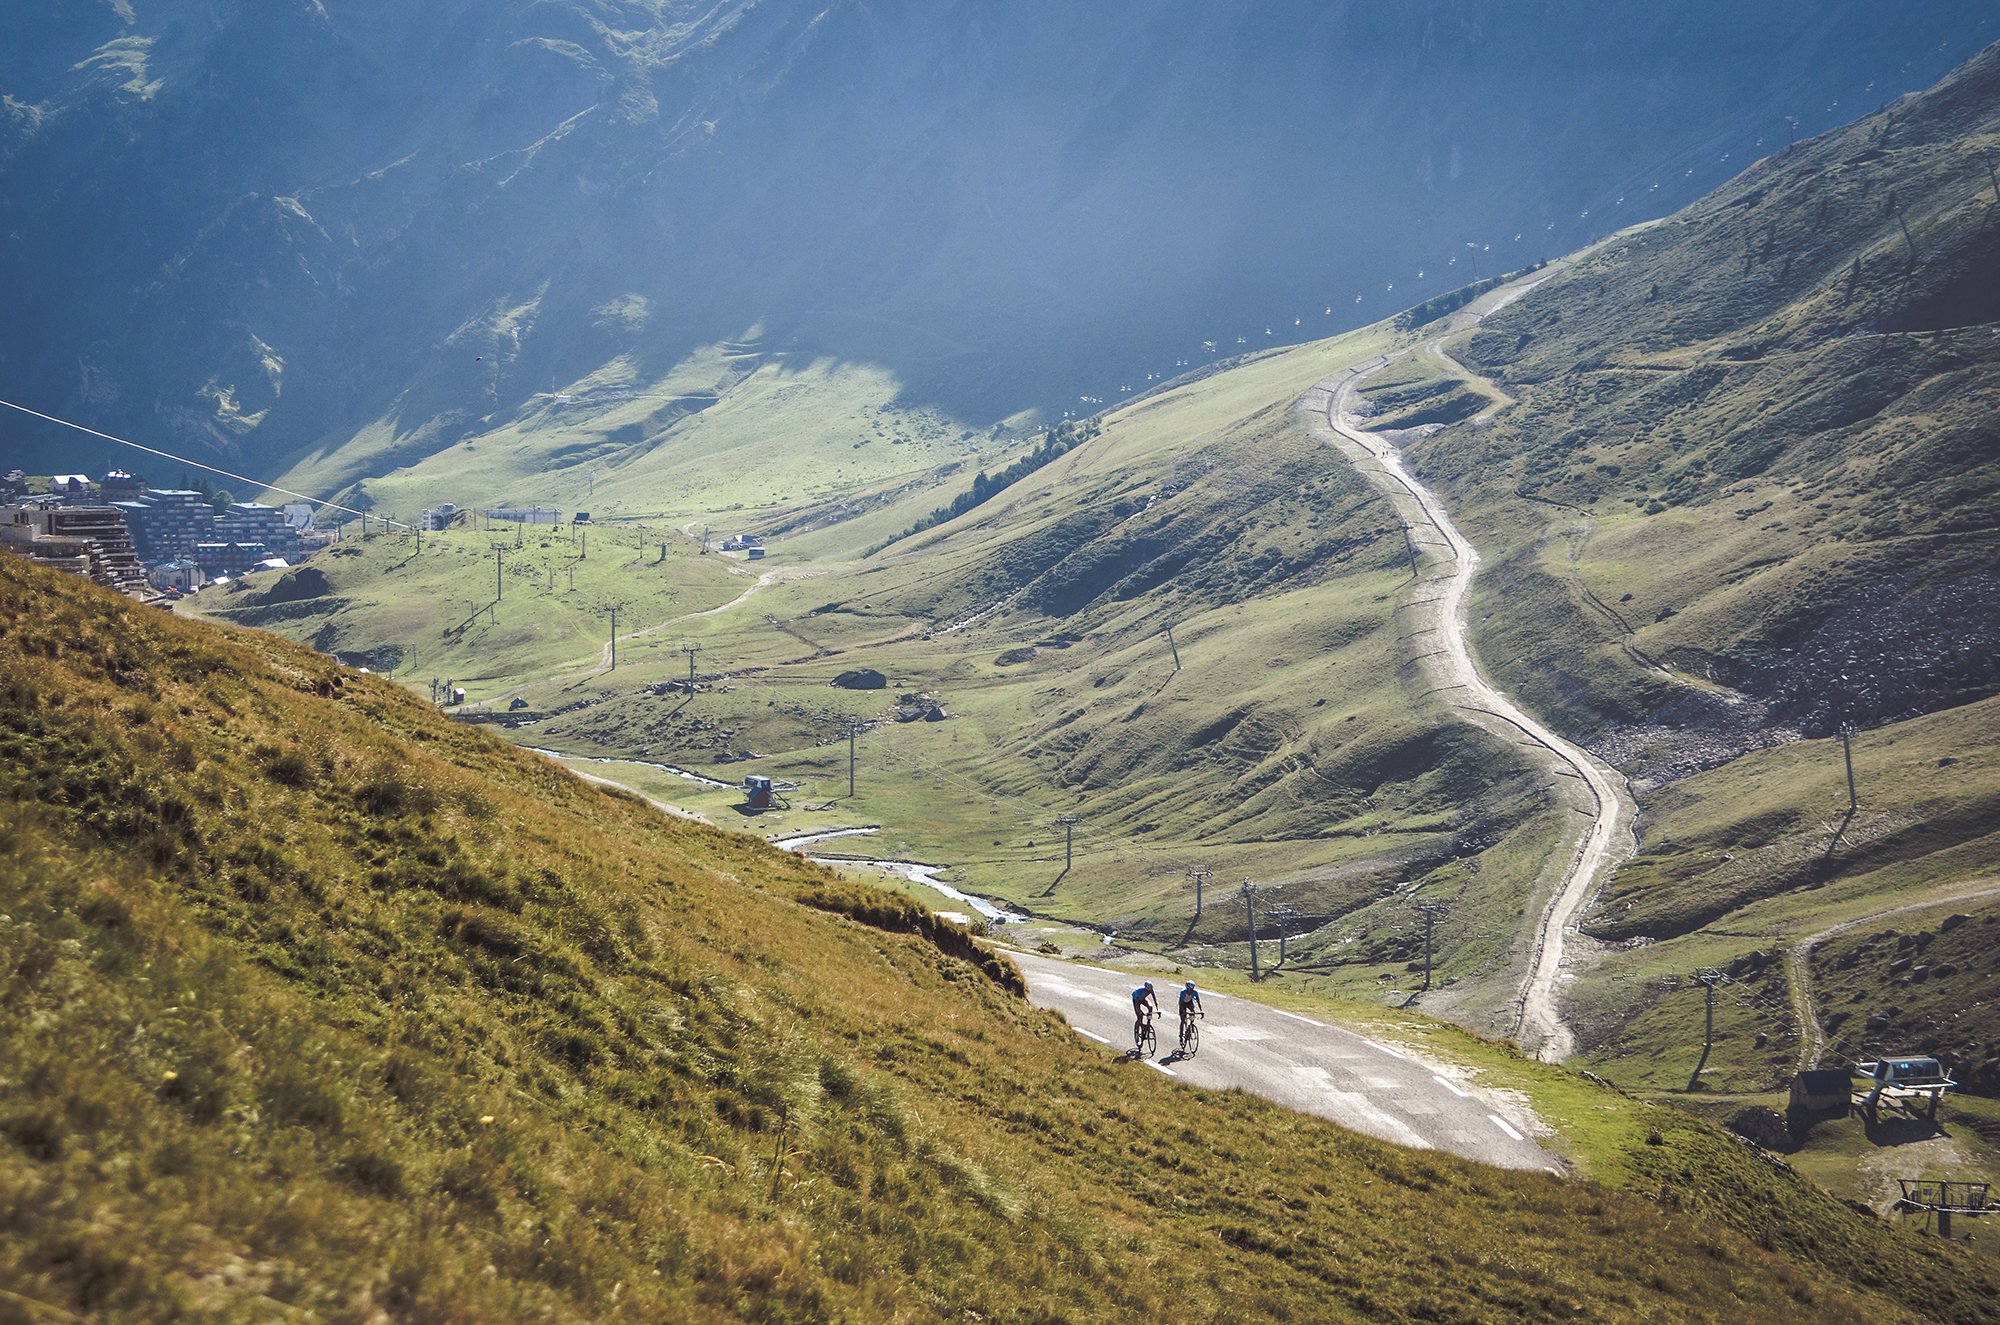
(1190, 1008)
(1144, 1004)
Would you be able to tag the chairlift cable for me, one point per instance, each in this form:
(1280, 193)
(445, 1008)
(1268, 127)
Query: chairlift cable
(181, 459)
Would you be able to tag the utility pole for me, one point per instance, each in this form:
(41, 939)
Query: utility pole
(1174, 647)
(663, 551)
(1847, 750)
(1284, 915)
(1708, 977)
(690, 650)
(1853, 801)
(1906, 231)
(614, 609)
(583, 549)
(499, 550)
(1430, 911)
(1249, 896)
(1200, 875)
(1068, 822)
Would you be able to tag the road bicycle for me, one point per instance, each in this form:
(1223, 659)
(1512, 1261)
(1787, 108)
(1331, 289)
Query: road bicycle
(1149, 1041)
(1191, 1035)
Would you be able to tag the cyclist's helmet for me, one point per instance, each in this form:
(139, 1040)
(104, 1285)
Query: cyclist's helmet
(1190, 984)
(1149, 984)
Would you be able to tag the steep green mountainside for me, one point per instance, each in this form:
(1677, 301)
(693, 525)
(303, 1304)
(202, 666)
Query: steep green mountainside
(1279, 732)
(737, 427)
(1750, 491)
(1754, 458)
(318, 1004)
(342, 238)
(1756, 867)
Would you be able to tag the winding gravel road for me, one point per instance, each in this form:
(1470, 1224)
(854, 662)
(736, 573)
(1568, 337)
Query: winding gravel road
(1369, 1087)
(1446, 578)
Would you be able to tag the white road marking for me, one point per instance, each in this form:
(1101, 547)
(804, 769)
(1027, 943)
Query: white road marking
(1168, 1070)
(1501, 1123)
(1462, 1094)
(1296, 1017)
(1057, 985)
(1092, 1034)
(1239, 1034)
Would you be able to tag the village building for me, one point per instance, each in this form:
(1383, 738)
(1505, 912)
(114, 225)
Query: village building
(254, 522)
(218, 559)
(91, 541)
(180, 576)
(166, 523)
(117, 485)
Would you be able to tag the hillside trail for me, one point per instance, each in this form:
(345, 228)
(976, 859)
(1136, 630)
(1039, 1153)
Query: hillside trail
(1798, 963)
(1328, 406)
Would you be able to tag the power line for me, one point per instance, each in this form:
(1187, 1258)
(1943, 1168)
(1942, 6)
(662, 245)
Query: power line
(181, 459)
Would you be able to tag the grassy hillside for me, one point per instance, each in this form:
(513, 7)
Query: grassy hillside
(731, 427)
(417, 612)
(1741, 869)
(1752, 458)
(1746, 493)
(319, 1004)
(1290, 744)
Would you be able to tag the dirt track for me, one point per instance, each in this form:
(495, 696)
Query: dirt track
(1798, 963)
(1444, 578)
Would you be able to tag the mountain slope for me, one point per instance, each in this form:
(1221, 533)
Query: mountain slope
(317, 1003)
(262, 231)
(1772, 415)
(1749, 492)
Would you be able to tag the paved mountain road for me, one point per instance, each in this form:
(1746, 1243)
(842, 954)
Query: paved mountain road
(1303, 1064)
(1446, 579)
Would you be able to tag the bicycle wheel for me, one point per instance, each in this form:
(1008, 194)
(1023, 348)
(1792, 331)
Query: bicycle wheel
(1191, 1037)
(1149, 1042)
